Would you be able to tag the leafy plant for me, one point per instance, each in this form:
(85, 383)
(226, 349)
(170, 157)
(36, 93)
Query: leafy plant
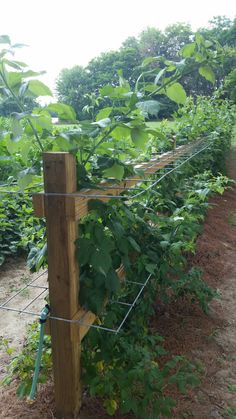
(20, 230)
(22, 364)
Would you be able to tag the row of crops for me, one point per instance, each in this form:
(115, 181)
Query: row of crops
(150, 234)
(153, 234)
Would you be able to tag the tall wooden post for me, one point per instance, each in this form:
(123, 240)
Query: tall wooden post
(63, 275)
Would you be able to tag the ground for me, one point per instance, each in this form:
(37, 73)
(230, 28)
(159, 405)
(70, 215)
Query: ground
(208, 340)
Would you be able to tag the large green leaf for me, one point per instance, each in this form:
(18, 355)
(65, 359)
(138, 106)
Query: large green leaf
(159, 75)
(188, 50)
(207, 73)
(37, 88)
(112, 283)
(101, 261)
(120, 132)
(18, 65)
(13, 78)
(116, 171)
(176, 93)
(103, 113)
(139, 137)
(63, 111)
(149, 60)
(149, 107)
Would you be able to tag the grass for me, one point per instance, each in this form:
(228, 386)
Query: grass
(232, 221)
(156, 124)
(151, 124)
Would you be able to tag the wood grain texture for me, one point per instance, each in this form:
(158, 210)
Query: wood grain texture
(63, 276)
(77, 207)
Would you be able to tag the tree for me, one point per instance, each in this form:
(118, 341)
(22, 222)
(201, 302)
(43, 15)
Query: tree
(229, 87)
(8, 106)
(175, 37)
(72, 85)
(151, 42)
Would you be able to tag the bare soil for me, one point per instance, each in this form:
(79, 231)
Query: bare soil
(208, 340)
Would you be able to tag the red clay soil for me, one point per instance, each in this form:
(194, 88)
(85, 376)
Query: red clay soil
(208, 340)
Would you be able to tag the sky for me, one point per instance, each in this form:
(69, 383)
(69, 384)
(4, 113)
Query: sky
(64, 33)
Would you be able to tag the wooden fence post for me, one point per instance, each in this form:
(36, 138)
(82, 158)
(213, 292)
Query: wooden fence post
(63, 276)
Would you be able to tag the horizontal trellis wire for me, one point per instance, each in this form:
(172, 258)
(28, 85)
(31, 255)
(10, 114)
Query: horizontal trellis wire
(180, 162)
(43, 289)
(168, 169)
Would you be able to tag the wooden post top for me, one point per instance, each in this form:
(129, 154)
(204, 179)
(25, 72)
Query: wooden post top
(59, 172)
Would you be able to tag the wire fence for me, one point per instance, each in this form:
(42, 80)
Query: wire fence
(11, 303)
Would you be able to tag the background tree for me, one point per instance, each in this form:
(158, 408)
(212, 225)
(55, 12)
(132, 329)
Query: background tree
(74, 85)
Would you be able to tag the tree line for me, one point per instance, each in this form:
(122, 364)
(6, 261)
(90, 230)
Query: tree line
(79, 86)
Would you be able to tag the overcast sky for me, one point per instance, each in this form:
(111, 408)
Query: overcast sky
(63, 33)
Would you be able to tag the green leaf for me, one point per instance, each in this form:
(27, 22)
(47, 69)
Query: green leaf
(149, 107)
(199, 39)
(37, 257)
(63, 111)
(24, 180)
(116, 171)
(112, 282)
(139, 137)
(37, 88)
(120, 132)
(149, 60)
(22, 390)
(134, 244)
(13, 78)
(17, 130)
(103, 123)
(176, 93)
(232, 388)
(106, 90)
(97, 205)
(18, 65)
(159, 75)
(31, 73)
(101, 261)
(85, 249)
(207, 73)
(4, 39)
(188, 50)
(103, 113)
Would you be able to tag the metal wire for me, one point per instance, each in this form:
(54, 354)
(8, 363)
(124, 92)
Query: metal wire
(22, 289)
(43, 289)
(127, 197)
(80, 322)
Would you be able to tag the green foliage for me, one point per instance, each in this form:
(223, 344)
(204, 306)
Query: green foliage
(150, 234)
(229, 86)
(19, 230)
(22, 365)
(77, 83)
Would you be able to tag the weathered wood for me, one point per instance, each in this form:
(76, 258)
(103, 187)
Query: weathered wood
(77, 206)
(62, 211)
(63, 276)
(38, 205)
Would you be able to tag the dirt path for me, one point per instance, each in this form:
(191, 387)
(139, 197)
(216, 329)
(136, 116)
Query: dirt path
(208, 340)
(13, 277)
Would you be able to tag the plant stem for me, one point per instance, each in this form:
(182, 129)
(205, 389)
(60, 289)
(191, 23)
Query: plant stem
(22, 109)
